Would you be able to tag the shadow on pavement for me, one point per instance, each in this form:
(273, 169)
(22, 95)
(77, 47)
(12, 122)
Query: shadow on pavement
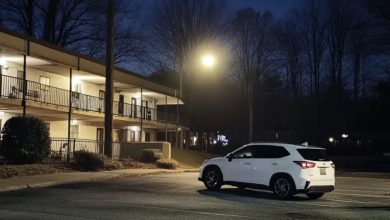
(234, 194)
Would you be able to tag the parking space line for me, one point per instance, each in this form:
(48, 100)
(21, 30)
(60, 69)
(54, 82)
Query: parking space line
(354, 187)
(313, 204)
(348, 201)
(362, 195)
(379, 192)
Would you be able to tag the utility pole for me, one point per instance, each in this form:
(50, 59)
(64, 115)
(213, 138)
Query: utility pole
(108, 99)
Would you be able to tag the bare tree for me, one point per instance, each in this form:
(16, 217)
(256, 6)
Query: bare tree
(339, 23)
(379, 11)
(77, 25)
(179, 27)
(311, 24)
(291, 53)
(252, 48)
(19, 15)
(359, 52)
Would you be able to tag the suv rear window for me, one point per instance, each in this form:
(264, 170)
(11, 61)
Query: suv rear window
(313, 154)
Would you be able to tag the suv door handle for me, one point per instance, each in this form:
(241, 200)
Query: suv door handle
(274, 164)
(247, 163)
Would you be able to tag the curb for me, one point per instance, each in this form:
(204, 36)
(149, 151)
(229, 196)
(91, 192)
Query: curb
(106, 175)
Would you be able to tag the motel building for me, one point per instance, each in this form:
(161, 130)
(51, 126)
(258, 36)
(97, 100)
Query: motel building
(62, 87)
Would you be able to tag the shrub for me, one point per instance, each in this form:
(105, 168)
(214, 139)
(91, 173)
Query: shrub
(112, 164)
(88, 161)
(25, 140)
(151, 155)
(167, 163)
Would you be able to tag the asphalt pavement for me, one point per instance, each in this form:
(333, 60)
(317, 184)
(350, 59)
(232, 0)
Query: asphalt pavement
(181, 196)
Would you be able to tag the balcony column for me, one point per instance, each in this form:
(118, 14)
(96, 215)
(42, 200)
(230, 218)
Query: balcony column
(24, 84)
(166, 117)
(177, 123)
(69, 113)
(142, 119)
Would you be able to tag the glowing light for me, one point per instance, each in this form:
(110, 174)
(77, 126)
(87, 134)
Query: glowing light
(331, 140)
(208, 60)
(76, 80)
(74, 121)
(344, 135)
(134, 128)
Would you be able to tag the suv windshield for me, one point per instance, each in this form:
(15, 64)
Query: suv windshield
(313, 154)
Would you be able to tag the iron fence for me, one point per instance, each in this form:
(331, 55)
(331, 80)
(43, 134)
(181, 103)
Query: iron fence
(60, 147)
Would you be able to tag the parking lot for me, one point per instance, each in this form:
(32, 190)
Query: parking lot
(181, 196)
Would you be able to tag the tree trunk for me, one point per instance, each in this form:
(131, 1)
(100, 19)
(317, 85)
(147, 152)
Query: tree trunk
(250, 116)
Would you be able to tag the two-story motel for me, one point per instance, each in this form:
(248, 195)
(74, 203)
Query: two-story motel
(59, 86)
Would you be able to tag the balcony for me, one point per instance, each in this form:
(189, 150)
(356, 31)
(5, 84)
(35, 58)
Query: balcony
(12, 87)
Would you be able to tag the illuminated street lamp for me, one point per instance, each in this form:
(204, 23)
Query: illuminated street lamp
(208, 60)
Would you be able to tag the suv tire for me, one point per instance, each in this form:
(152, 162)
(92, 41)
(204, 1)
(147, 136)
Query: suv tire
(283, 187)
(212, 178)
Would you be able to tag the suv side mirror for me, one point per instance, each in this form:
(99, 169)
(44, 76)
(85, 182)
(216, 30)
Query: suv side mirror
(230, 157)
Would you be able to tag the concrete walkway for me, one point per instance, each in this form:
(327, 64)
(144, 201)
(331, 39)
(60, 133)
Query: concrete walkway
(45, 180)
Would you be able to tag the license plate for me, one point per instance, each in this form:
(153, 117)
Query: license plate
(322, 171)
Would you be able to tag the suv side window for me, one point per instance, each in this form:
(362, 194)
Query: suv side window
(247, 152)
(266, 151)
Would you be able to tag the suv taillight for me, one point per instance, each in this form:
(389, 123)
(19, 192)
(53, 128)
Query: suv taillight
(305, 164)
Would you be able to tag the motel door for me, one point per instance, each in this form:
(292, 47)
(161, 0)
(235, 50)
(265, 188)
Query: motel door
(133, 108)
(100, 139)
(121, 104)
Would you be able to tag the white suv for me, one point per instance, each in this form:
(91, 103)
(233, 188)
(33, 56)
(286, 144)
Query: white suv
(285, 169)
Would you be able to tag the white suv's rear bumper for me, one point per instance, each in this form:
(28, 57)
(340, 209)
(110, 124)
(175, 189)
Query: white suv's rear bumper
(306, 182)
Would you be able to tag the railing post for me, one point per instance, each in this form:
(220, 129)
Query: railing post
(1, 80)
(142, 117)
(69, 111)
(166, 117)
(24, 85)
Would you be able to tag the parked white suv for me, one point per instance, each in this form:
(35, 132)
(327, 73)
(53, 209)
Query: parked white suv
(285, 169)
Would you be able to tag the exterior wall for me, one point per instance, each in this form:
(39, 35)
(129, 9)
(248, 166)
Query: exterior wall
(133, 150)
(4, 118)
(89, 88)
(59, 129)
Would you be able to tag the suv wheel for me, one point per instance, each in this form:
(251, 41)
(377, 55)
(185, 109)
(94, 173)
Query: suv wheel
(283, 187)
(212, 178)
(314, 195)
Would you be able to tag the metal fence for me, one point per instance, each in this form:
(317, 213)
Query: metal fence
(60, 147)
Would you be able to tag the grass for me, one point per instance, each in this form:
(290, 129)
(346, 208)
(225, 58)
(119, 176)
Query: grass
(7, 171)
(190, 159)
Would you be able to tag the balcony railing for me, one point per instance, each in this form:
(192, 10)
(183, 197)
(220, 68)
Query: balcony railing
(12, 87)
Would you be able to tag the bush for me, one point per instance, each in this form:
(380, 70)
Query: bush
(25, 140)
(88, 161)
(112, 164)
(167, 164)
(151, 155)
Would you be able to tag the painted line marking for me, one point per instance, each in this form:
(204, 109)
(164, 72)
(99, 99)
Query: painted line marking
(348, 201)
(362, 195)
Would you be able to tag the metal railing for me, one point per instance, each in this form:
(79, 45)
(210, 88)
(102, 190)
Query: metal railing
(12, 87)
(60, 148)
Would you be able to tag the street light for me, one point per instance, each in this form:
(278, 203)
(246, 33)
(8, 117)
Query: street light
(208, 60)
